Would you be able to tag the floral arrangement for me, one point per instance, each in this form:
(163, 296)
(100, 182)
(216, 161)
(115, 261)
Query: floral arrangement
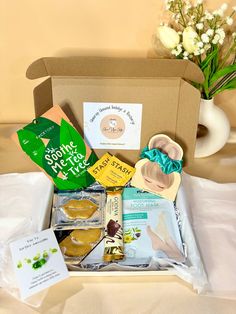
(199, 35)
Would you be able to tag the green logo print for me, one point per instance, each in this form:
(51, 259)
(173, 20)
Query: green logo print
(38, 260)
(131, 234)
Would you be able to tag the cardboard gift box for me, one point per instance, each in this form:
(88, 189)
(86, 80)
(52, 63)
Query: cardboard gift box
(170, 102)
(170, 105)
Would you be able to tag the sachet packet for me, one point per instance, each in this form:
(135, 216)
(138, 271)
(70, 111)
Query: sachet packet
(150, 228)
(58, 149)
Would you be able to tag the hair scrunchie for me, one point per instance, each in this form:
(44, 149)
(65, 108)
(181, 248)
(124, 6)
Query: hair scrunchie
(166, 164)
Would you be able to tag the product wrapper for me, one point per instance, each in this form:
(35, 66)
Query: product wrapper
(111, 172)
(150, 228)
(113, 247)
(159, 169)
(78, 209)
(76, 244)
(58, 149)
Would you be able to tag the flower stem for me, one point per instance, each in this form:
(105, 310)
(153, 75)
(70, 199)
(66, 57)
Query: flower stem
(227, 56)
(181, 13)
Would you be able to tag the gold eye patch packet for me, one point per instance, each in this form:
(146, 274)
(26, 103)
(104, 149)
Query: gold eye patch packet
(78, 209)
(109, 171)
(76, 244)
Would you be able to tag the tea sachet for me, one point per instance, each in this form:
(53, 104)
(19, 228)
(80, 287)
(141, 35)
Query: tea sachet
(58, 149)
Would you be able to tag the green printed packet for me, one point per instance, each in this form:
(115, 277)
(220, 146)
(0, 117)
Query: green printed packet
(58, 149)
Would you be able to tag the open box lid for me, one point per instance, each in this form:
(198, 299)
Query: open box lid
(114, 67)
(160, 85)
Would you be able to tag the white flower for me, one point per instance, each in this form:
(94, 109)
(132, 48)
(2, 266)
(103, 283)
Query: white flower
(221, 33)
(177, 51)
(186, 58)
(205, 38)
(229, 20)
(207, 47)
(216, 39)
(234, 8)
(197, 52)
(185, 53)
(179, 48)
(200, 44)
(219, 12)
(202, 50)
(168, 37)
(224, 7)
(199, 26)
(210, 32)
(234, 35)
(209, 16)
(221, 41)
(219, 36)
(190, 39)
(174, 52)
(199, 2)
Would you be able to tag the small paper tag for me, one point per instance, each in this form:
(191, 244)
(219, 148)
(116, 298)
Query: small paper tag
(113, 125)
(38, 262)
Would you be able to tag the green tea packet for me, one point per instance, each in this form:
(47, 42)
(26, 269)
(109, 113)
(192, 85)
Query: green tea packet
(58, 149)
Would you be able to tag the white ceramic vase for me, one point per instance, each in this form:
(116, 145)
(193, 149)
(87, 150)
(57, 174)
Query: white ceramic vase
(218, 129)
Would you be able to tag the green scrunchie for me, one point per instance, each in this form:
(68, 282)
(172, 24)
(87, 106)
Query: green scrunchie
(167, 164)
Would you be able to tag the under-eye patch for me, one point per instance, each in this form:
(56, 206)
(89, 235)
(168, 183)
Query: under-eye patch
(72, 249)
(86, 236)
(79, 209)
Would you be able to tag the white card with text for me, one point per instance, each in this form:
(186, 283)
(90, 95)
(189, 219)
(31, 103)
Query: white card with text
(112, 125)
(38, 262)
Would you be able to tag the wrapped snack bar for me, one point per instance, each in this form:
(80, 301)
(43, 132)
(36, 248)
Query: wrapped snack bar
(114, 249)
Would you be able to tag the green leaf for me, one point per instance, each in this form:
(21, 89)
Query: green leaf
(230, 85)
(64, 184)
(91, 161)
(81, 180)
(206, 82)
(215, 63)
(227, 70)
(54, 250)
(43, 127)
(32, 146)
(89, 179)
(92, 158)
(208, 59)
(69, 134)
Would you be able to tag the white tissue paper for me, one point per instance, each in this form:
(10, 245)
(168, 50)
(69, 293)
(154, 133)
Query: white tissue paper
(25, 200)
(212, 208)
(192, 271)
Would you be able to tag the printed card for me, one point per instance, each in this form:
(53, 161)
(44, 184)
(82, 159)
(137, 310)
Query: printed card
(113, 125)
(38, 262)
